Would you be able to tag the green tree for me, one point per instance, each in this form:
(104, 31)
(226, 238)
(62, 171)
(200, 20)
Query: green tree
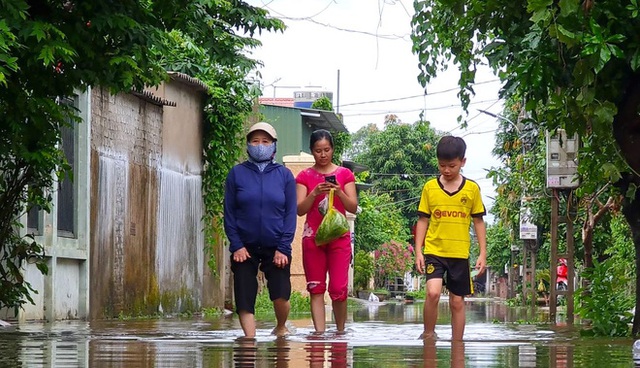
(400, 158)
(323, 103)
(498, 246)
(575, 66)
(358, 140)
(51, 49)
(341, 140)
(363, 270)
(379, 222)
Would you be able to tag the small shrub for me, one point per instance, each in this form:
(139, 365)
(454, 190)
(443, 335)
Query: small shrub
(299, 303)
(605, 302)
(363, 269)
(418, 294)
(393, 259)
(211, 312)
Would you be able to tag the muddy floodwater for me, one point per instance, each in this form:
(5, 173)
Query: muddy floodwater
(378, 335)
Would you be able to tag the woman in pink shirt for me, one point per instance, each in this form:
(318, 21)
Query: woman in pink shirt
(312, 186)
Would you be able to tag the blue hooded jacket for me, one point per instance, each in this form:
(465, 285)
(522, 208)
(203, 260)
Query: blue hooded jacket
(260, 208)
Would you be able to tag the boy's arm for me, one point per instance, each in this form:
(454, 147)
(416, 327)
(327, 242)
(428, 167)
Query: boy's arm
(421, 232)
(481, 234)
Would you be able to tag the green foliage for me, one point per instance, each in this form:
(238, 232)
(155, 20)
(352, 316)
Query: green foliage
(498, 246)
(363, 270)
(299, 303)
(400, 158)
(605, 302)
(417, 294)
(379, 222)
(52, 49)
(341, 140)
(323, 103)
(393, 259)
(212, 312)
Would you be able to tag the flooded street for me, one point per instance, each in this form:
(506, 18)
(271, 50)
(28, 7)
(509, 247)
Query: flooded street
(379, 335)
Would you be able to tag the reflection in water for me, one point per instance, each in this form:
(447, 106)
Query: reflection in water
(245, 352)
(378, 335)
(456, 357)
(334, 353)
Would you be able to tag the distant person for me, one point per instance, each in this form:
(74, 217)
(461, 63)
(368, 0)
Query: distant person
(260, 222)
(334, 258)
(447, 206)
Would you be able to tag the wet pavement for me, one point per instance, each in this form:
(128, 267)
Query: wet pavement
(378, 335)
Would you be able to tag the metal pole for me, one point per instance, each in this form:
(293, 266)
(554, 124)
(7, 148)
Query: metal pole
(570, 269)
(553, 295)
(338, 94)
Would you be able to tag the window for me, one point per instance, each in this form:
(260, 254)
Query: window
(66, 186)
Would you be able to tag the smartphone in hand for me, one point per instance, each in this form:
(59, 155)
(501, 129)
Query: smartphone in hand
(331, 179)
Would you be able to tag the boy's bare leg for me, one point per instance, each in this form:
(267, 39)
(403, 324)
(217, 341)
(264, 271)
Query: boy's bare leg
(340, 313)
(281, 307)
(430, 311)
(248, 323)
(457, 354)
(317, 312)
(456, 303)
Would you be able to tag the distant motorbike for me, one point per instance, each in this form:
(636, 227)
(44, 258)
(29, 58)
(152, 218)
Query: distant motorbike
(561, 278)
(561, 275)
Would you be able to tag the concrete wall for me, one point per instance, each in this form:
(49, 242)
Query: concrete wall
(126, 147)
(148, 240)
(180, 192)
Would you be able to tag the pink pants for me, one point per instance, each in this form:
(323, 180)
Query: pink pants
(333, 258)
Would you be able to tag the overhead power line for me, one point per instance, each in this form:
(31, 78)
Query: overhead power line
(405, 37)
(389, 111)
(415, 96)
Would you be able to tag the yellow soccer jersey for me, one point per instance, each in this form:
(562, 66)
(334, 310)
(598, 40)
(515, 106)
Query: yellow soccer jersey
(449, 217)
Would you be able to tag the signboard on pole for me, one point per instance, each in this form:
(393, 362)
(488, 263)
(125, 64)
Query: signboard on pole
(528, 230)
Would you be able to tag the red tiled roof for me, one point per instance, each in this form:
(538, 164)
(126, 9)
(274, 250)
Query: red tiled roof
(277, 101)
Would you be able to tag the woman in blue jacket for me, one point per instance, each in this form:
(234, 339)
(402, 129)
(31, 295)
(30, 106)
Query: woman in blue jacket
(260, 220)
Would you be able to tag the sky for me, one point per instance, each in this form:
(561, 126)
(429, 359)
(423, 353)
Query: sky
(361, 51)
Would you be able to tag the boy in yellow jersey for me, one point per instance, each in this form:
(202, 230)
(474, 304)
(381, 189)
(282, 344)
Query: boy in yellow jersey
(447, 206)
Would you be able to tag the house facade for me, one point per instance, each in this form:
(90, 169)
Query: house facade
(125, 237)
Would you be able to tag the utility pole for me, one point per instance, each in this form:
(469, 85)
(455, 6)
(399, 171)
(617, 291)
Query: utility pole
(562, 153)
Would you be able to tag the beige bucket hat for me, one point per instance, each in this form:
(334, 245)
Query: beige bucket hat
(265, 127)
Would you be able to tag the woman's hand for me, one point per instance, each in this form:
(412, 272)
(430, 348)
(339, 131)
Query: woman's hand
(323, 188)
(280, 260)
(241, 255)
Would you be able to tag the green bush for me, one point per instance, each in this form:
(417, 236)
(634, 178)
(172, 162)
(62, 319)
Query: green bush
(299, 303)
(604, 302)
(418, 294)
(363, 270)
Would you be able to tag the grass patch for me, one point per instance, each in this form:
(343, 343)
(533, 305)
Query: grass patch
(354, 303)
(418, 294)
(299, 303)
(212, 312)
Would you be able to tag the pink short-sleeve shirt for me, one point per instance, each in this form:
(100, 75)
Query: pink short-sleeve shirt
(310, 178)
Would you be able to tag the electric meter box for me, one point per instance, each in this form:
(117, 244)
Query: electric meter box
(562, 160)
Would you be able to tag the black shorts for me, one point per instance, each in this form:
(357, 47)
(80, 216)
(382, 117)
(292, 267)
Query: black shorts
(455, 272)
(245, 278)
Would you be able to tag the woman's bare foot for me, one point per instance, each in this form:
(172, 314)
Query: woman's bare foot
(280, 331)
(428, 336)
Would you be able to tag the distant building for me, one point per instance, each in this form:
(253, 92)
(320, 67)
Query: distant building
(276, 101)
(306, 98)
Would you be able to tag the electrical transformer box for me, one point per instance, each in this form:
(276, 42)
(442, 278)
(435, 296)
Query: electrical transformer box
(562, 160)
